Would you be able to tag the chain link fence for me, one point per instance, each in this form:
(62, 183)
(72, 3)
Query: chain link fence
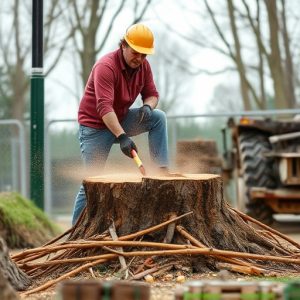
(13, 157)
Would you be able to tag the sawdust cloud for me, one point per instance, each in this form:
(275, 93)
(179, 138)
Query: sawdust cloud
(121, 169)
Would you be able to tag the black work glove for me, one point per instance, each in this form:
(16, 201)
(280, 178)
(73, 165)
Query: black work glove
(145, 113)
(126, 144)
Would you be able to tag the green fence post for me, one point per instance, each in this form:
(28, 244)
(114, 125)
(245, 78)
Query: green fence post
(37, 107)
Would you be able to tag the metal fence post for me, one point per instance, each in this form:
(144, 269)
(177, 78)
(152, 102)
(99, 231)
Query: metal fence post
(48, 175)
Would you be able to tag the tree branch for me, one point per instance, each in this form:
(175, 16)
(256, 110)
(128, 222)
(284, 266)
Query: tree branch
(112, 21)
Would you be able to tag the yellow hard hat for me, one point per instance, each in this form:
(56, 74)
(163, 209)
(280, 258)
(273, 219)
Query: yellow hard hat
(140, 38)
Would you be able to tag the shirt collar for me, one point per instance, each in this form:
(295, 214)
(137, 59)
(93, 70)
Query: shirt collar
(123, 63)
(121, 59)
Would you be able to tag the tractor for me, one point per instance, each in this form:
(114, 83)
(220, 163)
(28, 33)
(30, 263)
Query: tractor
(264, 161)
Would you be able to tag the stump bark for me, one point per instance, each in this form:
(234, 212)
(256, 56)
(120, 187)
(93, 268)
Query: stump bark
(135, 203)
(11, 277)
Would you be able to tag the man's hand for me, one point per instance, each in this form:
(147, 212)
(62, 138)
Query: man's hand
(126, 144)
(145, 113)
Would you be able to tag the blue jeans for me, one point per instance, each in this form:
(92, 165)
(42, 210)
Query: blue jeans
(95, 145)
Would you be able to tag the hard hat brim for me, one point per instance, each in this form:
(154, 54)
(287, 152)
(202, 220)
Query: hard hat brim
(142, 50)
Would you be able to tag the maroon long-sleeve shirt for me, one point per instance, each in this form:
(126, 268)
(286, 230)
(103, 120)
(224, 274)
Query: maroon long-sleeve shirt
(109, 88)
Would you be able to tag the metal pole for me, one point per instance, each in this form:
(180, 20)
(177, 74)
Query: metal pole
(37, 107)
(174, 138)
(14, 165)
(258, 113)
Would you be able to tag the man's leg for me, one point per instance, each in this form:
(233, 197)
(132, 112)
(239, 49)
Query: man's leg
(95, 145)
(157, 129)
(158, 138)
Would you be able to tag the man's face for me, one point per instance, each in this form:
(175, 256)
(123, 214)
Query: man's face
(132, 58)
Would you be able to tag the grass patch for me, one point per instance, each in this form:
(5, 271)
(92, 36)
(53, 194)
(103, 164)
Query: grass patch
(22, 219)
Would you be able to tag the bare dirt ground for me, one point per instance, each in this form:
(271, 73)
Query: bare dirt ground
(164, 290)
(160, 290)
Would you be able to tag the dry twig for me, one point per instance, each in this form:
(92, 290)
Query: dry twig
(66, 254)
(113, 233)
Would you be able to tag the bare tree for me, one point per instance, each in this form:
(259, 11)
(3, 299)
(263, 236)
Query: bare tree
(238, 55)
(281, 69)
(271, 59)
(289, 65)
(275, 61)
(255, 23)
(15, 50)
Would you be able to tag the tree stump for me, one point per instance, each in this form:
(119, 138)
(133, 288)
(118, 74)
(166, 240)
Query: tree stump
(135, 203)
(11, 277)
(131, 216)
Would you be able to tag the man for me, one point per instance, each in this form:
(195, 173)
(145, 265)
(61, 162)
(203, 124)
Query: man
(104, 113)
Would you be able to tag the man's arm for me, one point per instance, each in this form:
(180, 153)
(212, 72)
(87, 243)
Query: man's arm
(111, 121)
(126, 144)
(151, 101)
(145, 111)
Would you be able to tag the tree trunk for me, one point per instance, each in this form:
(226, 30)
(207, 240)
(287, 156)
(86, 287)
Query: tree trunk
(289, 69)
(275, 56)
(11, 277)
(135, 204)
(238, 57)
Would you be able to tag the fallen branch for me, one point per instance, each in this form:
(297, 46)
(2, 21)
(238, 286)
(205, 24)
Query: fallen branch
(164, 269)
(113, 233)
(197, 243)
(170, 230)
(65, 276)
(213, 252)
(154, 270)
(140, 275)
(92, 272)
(248, 270)
(100, 244)
(122, 238)
(71, 253)
(108, 243)
(153, 228)
(188, 251)
(197, 251)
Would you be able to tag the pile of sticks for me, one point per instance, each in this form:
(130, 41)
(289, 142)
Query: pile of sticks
(69, 258)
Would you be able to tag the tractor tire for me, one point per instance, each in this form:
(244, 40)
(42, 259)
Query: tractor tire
(258, 171)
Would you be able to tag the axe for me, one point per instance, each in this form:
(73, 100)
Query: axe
(138, 162)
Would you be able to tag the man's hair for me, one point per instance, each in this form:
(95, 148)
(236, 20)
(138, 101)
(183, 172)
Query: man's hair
(123, 42)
